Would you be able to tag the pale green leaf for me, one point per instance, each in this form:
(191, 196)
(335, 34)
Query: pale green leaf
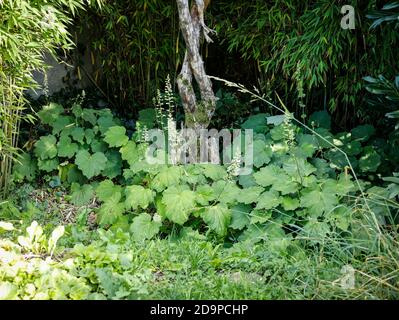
(144, 227)
(81, 195)
(90, 165)
(179, 202)
(46, 148)
(111, 210)
(66, 148)
(268, 200)
(138, 196)
(116, 136)
(249, 195)
(106, 189)
(217, 218)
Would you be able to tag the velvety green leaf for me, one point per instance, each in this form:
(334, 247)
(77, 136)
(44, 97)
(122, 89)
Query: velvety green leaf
(285, 185)
(46, 148)
(105, 122)
(75, 175)
(278, 133)
(89, 135)
(352, 148)
(323, 169)
(179, 202)
(262, 153)
(320, 119)
(113, 167)
(62, 123)
(111, 210)
(48, 165)
(107, 189)
(250, 195)
(130, 152)
(50, 113)
(168, 176)
(138, 196)
(204, 194)
(116, 136)
(341, 218)
(66, 148)
(318, 201)
(226, 191)
(240, 216)
(98, 146)
(147, 117)
(256, 122)
(327, 142)
(307, 145)
(268, 200)
(217, 218)
(81, 195)
(91, 165)
(290, 204)
(89, 115)
(363, 133)
(260, 216)
(78, 134)
(316, 230)
(370, 160)
(214, 171)
(268, 175)
(247, 181)
(25, 168)
(254, 233)
(298, 168)
(144, 227)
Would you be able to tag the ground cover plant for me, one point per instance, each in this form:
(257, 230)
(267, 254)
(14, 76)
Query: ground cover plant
(300, 201)
(85, 215)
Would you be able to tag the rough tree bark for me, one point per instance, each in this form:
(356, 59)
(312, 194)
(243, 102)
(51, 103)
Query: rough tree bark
(198, 113)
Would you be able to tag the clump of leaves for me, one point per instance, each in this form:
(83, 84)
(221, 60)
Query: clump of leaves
(298, 179)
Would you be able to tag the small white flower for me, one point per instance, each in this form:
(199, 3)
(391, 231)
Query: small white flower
(233, 169)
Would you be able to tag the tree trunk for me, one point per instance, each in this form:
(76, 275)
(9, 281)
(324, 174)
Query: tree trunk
(198, 113)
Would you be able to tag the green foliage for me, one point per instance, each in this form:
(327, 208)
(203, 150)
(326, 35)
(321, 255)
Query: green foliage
(80, 141)
(27, 30)
(116, 136)
(144, 227)
(66, 148)
(111, 210)
(91, 165)
(295, 48)
(179, 203)
(297, 179)
(136, 45)
(217, 218)
(388, 13)
(137, 196)
(25, 169)
(106, 189)
(81, 195)
(121, 265)
(46, 148)
(385, 95)
(297, 219)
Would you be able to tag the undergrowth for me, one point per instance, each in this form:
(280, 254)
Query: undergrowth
(301, 226)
